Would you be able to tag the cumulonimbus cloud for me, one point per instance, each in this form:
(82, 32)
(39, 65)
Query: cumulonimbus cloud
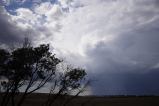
(108, 37)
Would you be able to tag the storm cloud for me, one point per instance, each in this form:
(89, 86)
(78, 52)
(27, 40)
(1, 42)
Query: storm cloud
(115, 40)
(9, 32)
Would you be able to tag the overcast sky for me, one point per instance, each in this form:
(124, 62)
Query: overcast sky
(116, 41)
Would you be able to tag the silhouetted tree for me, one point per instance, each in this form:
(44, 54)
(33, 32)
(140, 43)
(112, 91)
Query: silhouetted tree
(29, 68)
(67, 86)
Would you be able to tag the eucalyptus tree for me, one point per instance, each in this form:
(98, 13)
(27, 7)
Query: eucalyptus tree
(27, 69)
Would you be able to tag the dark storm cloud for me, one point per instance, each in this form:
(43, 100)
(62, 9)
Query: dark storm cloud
(9, 32)
(132, 68)
(127, 83)
(129, 64)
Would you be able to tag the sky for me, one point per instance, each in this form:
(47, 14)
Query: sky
(116, 41)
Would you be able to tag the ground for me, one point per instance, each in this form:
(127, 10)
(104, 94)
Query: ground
(38, 99)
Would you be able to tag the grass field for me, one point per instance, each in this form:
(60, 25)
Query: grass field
(38, 99)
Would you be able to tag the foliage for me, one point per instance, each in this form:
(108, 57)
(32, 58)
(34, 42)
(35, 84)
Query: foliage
(30, 68)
